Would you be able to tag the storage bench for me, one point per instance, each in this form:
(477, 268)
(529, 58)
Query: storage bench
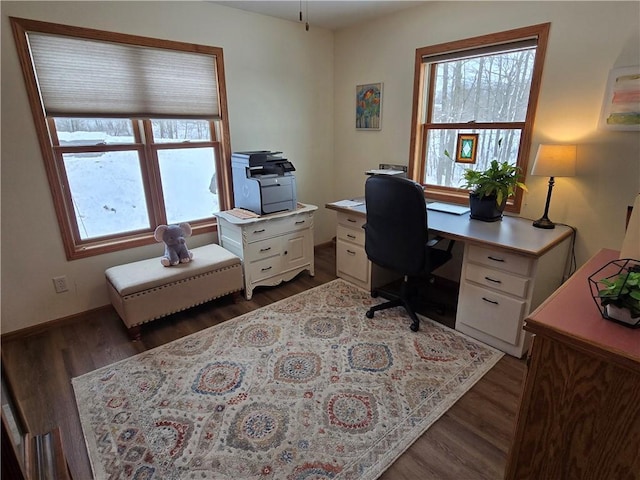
(145, 290)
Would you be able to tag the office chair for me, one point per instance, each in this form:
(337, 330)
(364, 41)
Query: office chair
(397, 238)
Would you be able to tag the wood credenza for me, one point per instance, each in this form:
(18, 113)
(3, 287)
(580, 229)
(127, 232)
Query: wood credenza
(579, 415)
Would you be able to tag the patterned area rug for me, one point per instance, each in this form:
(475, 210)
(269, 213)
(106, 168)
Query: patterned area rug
(306, 388)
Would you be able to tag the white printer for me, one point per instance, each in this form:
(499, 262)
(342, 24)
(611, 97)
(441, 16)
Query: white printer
(263, 182)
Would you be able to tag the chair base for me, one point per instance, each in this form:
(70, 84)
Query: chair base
(408, 290)
(401, 300)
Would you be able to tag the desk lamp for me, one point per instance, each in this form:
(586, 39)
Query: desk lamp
(553, 161)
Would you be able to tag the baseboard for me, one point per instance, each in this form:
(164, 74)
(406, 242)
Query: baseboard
(43, 327)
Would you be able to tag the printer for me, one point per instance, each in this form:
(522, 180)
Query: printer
(263, 182)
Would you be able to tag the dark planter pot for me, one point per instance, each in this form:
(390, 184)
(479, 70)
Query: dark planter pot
(485, 208)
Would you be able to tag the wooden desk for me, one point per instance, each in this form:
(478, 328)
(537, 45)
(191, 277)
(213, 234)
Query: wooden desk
(580, 410)
(509, 267)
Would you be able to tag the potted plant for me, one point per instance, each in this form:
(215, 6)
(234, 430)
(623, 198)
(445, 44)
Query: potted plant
(620, 296)
(491, 188)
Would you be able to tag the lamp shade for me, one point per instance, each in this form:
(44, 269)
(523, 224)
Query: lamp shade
(555, 161)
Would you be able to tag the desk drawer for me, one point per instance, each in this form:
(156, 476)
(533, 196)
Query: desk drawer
(494, 258)
(351, 221)
(493, 313)
(497, 279)
(353, 235)
(352, 260)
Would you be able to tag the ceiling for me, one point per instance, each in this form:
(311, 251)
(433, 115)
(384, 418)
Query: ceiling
(331, 15)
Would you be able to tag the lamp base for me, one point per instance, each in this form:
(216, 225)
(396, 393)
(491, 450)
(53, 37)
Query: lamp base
(544, 222)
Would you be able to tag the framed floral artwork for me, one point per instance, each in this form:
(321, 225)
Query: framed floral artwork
(369, 106)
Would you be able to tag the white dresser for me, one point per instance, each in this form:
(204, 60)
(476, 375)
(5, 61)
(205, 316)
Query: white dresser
(273, 248)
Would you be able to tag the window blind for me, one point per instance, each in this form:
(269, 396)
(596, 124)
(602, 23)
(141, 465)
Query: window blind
(80, 77)
(482, 51)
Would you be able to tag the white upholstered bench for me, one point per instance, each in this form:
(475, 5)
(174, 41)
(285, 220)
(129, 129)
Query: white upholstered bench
(146, 290)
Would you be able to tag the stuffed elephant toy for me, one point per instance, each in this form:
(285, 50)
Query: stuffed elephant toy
(175, 246)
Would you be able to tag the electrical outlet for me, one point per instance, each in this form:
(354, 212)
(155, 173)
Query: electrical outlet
(60, 284)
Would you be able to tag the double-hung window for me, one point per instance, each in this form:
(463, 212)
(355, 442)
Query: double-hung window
(133, 131)
(485, 86)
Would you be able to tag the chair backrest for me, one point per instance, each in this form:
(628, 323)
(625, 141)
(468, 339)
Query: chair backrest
(396, 227)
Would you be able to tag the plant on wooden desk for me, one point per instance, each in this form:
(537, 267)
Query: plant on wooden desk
(622, 292)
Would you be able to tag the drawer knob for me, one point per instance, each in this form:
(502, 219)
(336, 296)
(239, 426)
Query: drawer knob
(490, 301)
(495, 259)
(492, 280)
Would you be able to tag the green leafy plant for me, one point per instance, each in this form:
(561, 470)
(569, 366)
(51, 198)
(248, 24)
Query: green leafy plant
(500, 179)
(623, 291)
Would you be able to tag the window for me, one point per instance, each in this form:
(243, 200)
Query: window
(486, 86)
(133, 131)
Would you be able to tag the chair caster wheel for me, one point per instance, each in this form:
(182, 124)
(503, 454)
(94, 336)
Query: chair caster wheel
(414, 327)
(369, 314)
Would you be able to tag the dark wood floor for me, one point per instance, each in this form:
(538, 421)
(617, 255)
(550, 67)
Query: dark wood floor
(470, 441)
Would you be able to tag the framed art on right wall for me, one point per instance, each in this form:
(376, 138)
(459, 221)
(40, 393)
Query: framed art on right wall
(621, 105)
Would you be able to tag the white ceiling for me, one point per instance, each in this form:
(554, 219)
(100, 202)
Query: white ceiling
(327, 14)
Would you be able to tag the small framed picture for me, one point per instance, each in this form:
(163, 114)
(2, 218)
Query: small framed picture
(369, 106)
(467, 148)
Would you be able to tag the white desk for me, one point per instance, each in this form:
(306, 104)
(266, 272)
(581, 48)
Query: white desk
(509, 267)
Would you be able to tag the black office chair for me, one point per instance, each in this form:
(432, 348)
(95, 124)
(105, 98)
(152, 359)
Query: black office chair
(397, 237)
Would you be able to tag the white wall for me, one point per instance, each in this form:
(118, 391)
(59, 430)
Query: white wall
(587, 39)
(280, 95)
(294, 91)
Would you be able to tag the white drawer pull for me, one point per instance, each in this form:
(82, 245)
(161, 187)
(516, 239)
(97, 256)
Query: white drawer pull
(265, 249)
(495, 259)
(492, 280)
(490, 301)
(351, 252)
(265, 269)
(258, 231)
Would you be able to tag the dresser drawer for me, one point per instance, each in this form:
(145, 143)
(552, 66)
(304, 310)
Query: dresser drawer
(264, 248)
(352, 235)
(493, 313)
(352, 260)
(497, 279)
(511, 262)
(276, 226)
(351, 221)
(262, 269)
